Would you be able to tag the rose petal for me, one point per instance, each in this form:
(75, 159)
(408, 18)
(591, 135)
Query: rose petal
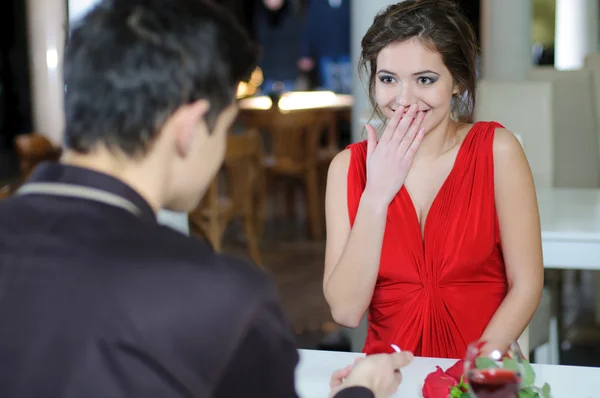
(438, 384)
(457, 370)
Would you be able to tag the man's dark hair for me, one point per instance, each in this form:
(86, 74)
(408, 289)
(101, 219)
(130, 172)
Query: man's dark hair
(130, 64)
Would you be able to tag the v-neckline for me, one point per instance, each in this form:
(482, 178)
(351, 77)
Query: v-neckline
(423, 229)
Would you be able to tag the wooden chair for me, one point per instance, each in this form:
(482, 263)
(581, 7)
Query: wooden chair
(245, 198)
(296, 154)
(33, 149)
(5, 192)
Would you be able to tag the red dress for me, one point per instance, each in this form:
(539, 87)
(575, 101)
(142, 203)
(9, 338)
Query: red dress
(435, 295)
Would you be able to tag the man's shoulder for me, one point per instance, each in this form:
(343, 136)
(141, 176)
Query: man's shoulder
(189, 260)
(209, 301)
(188, 288)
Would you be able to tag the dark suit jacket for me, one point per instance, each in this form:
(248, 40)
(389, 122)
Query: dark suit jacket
(98, 302)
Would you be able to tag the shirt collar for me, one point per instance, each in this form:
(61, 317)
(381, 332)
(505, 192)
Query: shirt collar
(74, 175)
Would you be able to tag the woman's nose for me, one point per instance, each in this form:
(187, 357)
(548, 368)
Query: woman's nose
(405, 97)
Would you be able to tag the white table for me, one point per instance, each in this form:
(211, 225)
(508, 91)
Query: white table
(570, 220)
(315, 368)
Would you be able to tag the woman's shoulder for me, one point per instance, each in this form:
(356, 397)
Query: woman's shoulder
(503, 139)
(354, 155)
(340, 163)
(358, 146)
(506, 147)
(506, 144)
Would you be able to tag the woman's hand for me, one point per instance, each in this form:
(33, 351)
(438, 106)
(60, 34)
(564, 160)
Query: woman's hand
(380, 373)
(390, 159)
(337, 378)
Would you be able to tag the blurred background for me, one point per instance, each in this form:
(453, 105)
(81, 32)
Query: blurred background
(539, 75)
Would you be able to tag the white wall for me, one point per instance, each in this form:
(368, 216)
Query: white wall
(46, 36)
(576, 32)
(506, 39)
(362, 14)
(78, 8)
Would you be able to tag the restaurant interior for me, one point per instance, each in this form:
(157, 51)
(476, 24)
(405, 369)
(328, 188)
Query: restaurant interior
(305, 102)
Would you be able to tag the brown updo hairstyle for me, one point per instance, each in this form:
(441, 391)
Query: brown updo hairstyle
(439, 26)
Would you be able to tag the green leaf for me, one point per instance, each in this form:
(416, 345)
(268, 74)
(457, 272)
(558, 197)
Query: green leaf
(455, 393)
(510, 364)
(546, 390)
(485, 363)
(528, 374)
(528, 393)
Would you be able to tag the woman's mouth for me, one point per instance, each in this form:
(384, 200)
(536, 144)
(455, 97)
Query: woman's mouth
(406, 110)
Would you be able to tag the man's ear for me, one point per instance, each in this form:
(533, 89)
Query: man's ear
(187, 124)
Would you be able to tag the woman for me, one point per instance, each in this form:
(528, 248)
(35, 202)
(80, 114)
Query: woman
(433, 227)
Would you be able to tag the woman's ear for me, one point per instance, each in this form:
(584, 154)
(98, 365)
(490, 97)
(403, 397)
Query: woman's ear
(456, 90)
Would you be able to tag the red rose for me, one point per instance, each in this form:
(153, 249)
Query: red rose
(438, 384)
(457, 370)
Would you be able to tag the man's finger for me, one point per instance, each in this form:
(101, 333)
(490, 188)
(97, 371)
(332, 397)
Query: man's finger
(401, 359)
(338, 376)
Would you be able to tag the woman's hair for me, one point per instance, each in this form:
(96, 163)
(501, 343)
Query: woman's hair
(439, 26)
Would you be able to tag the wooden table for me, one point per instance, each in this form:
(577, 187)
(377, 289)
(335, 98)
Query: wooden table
(299, 100)
(295, 128)
(303, 101)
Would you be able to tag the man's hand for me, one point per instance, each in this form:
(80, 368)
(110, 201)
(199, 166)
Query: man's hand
(380, 373)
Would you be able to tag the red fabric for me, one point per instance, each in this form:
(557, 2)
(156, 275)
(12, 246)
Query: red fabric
(436, 295)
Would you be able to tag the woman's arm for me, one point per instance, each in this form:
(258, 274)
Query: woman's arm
(520, 233)
(351, 255)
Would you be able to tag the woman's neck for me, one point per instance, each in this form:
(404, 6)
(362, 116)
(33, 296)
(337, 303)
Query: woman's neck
(439, 140)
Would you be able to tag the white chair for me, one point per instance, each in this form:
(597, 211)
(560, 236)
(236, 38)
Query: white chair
(576, 154)
(526, 108)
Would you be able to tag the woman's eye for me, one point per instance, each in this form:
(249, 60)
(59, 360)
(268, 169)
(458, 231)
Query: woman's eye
(423, 80)
(386, 79)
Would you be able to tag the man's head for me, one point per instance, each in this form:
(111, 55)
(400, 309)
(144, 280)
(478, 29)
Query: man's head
(150, 85)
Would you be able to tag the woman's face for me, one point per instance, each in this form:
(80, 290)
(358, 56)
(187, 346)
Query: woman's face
(409, 73)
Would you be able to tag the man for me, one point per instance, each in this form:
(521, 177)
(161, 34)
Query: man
(325, 44)
(277, 27)
(97, 299)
